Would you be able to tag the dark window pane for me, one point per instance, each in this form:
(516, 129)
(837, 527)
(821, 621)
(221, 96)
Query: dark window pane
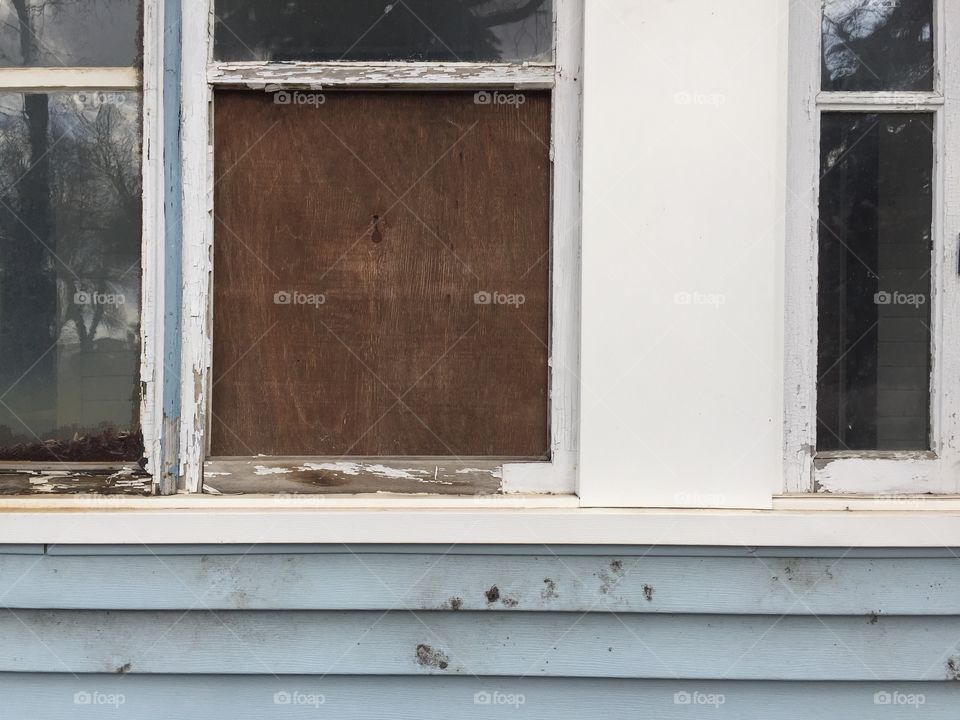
(65, 33)
(878, 45)
(366, 30)
(874, 284)
(69, 276)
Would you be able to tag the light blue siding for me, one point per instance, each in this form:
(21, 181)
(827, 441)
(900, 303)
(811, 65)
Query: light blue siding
(173, 234)
(480, 615)
(358, 580)
(598, 644)
(51, 697)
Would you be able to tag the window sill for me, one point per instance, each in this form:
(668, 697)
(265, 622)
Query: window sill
(518, 520)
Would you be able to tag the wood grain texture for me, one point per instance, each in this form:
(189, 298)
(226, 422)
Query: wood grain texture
(396, 208)
(91, 482)
(294, 476)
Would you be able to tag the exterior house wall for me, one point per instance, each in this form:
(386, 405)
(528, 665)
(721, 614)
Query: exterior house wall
(527, 631)
(413, 632)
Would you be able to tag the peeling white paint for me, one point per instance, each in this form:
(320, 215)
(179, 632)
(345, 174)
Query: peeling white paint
(394, 472)
(888, 476)
(269, 76)
(264, 470)
(495, 472)
(345, 468)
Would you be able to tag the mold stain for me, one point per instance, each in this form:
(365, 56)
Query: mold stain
(431, 658)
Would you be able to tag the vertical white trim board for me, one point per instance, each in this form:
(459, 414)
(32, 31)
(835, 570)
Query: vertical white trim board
(682, 350)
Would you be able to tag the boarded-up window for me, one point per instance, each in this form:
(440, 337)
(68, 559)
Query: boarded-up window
(381, 274)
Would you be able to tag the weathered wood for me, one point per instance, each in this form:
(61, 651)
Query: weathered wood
(401, 214)
(322, 476)
(627, 645)
(257, 75)
(90, 481)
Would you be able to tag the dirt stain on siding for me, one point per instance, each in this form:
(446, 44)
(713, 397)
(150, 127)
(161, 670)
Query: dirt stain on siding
(429, 657)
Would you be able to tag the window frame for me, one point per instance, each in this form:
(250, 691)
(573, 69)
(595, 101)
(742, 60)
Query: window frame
(127, 478)
(202, 75)
(868, 472)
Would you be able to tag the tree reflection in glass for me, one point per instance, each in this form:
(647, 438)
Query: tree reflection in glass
(873, 45)
(70, 228)
(372, 30)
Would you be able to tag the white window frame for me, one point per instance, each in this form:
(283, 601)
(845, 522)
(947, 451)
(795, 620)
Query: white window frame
(202, 75)
(848, 472)
(148, 83)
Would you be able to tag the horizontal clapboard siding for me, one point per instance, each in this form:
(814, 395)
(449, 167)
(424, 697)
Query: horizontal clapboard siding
(353, 581)
(744, 647)
(414, 632)
(44, 697)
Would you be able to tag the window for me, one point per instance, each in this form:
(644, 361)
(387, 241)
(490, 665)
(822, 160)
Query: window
(75, 404)
(378, 264)
(875, 401)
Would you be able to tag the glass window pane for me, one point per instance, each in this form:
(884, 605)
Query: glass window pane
(877, 45)
(69, 276)
(874, 284)
(69, 33)
(368, 30)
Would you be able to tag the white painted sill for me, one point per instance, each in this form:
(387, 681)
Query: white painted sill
(187, 519)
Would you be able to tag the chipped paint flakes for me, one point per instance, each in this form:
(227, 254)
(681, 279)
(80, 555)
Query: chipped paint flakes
(264, 470)
(493, 472)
